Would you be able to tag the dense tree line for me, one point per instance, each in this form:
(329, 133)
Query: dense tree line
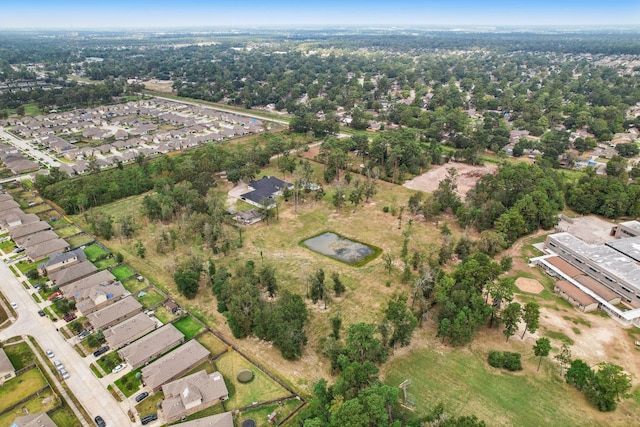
(608, 196)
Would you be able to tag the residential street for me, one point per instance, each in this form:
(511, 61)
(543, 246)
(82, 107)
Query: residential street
(88, 389)
(30, 149)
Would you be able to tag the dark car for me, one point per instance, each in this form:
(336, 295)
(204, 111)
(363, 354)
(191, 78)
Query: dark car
(84, 333)
(69, 317)
(141, 396)
(149, 418)
(41, 313)
(18, 250)
(99, 421)
(101, 350)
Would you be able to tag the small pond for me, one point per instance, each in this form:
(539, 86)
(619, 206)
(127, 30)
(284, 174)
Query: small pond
(341, 248)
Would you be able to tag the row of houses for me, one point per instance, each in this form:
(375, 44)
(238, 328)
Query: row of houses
(13, 159)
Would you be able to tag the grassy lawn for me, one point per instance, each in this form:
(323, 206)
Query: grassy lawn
(93, 252)
(19, 354)
(163, 315)
(95, 370)
(188, 326)
(105, 263)
(133, 286)
(79, 240)
(108, 362)
(7, 246)
(128, 384)
(259, 415)
(151, 298)
(57, 223)
(34, 405)
(260, 389)
(463, 381)
(150, 404)
(65, 417)
(43, 207)
(122, 272)
(212, 343)
(20, 387)
(24, 266)
(67, 231)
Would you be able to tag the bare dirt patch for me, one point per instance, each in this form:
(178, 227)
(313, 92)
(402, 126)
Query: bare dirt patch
(163, 86)
(468, 175)
(531, 286)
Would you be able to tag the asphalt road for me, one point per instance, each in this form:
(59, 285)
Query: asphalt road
(88, 389)
(26, 147)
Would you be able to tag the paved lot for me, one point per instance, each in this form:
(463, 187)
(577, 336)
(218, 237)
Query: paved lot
(88, 389)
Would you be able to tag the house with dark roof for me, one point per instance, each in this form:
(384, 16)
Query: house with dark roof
(151, 346)
(99, 296)
(191, 394)
(264, 191)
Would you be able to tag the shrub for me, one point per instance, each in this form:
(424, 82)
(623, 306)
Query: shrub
(385, 209)
(505, 360)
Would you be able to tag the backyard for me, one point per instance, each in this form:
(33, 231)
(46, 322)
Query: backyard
(188, 326)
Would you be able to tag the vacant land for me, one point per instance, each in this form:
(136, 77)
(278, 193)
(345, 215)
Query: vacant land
(467, 176)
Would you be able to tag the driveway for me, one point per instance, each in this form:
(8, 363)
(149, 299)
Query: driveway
(89, 391)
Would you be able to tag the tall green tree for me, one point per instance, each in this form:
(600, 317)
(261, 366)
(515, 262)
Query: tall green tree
(542, 348)
(531, 317)
(511, 315)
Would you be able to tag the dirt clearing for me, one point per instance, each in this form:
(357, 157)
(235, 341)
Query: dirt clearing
(531, 286)
(468, 175)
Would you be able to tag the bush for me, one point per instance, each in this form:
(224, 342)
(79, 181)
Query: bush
(505, 360)
(385, 209)
(33, 274)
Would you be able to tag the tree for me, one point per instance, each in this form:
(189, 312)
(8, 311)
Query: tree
(187, 277)
(511, 315)
(401, 319)
(531, 317)
(317, 286)
(126, 226)
(387, 258)
(362, 345)
(266, 210)
(579, 374)
(542, 349)
(563, 357)
(141, 250)
(338, 286)
(609, 384)
(267, 279)
(336, 324)
(444, 328)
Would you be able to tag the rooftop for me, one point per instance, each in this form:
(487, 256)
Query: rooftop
(169, 366)
(575, 293)
(5, 363)
(220, 420)
(129, 330)
(72, 273)
(195, 390)
(629, 246)
(157, 341)
(113, 312)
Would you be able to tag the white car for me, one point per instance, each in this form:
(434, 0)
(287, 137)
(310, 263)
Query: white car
(57, 363)
(49, 353)
(14, 305)
(118, 368)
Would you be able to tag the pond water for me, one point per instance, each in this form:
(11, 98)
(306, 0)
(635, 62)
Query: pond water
(341, 248)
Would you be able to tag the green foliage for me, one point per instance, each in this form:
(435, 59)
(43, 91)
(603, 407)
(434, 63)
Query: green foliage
(505, 360)
(542, 348)
(401, 320)
(579, 374)
(603, 388)
(603, 195)
(531, 317)
(187, 277)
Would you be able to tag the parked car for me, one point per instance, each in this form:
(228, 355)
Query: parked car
(147, 419)
(101, 351)
(14, 305)
(49, 353)
(41, 313)
(118, 368)
(142, 396)
(57, 363)
(18, 250)
(84, 333)
(99, 421)
(69, 317)
(54, 295)
(65, 375)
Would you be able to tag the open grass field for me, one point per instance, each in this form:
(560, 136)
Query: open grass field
(19, 354)
(163, 315)
(260, 389)
(212, 343)
(57, 223)
(188, 326)
(20, 387)
(122, 272)
(128, 384)
(43, 207)
(25, 266)
(150, 298)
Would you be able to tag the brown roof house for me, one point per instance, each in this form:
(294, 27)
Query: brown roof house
(75, 289)
(61, 260)
(36, 238)
(219, 420)
(99, 296)
(26, 229)
(72, 273)
(192, 393)
(174, 364)
(130, 330)
(115, 313)
(46, 249)
(34, 420)
(575, 296)
(7, 371)
(151, 346)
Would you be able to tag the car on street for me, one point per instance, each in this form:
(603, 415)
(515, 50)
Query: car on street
(101, 351)
(41, 313)
(49, 353)
(99, 421)
(14, 305)
(69, 317)
(57, 363)
(118, 368)
(65, 375)
(142, 396)
(147, 419)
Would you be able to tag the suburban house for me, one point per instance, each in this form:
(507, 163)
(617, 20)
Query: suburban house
(99, 296)
(193, 393)
(72, 273)
(151, 346)
(26, 229)
(219, 420)
(6, 368)
(36, 238)
(247, 217)
(174, 364)
(75, 289)
(115, 313)
(130, 330)
(46, 249)
(264, 191)
(60, 260)
(34, 420)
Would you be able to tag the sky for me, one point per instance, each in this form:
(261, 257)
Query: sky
(100, 14)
